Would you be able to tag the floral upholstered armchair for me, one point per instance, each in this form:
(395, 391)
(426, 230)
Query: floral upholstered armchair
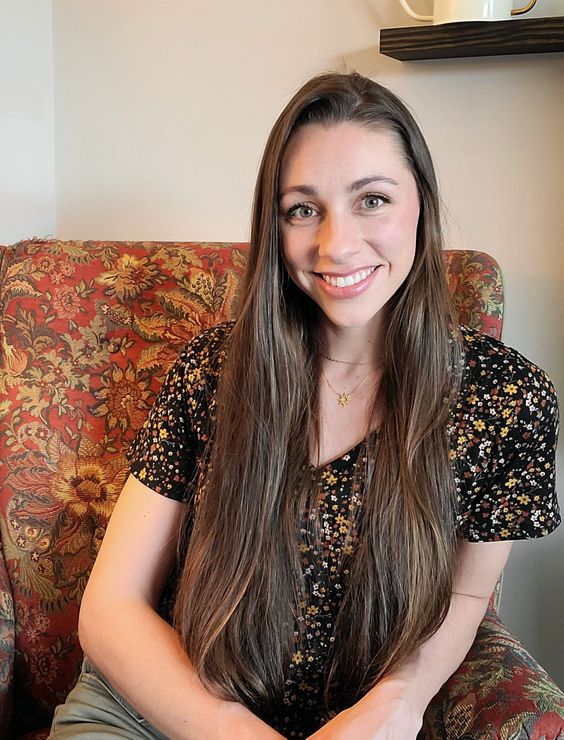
(88, 330)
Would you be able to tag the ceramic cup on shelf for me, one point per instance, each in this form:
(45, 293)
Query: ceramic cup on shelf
(454, 11)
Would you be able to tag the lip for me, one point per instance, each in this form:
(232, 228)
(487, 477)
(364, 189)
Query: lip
(348, 291)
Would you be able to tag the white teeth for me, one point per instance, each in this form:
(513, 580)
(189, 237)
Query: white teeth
(343, 282)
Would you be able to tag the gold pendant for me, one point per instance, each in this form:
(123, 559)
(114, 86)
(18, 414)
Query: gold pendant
(343, 399)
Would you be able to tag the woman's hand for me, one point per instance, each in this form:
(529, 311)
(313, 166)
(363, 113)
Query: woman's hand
(383, 714)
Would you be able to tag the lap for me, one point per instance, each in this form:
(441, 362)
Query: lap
(93, 710)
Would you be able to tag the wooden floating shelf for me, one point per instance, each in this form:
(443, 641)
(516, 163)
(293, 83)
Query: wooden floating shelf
(474, 39)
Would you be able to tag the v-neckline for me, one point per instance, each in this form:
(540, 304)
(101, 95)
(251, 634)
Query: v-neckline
(340, 462)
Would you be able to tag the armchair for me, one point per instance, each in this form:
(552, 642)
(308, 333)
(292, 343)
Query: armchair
(87, 332)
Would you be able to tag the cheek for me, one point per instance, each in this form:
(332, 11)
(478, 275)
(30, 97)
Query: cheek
(294, 250)
(397, 237)
(287, 253)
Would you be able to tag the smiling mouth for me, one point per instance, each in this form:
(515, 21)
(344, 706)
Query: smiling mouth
(348, 280)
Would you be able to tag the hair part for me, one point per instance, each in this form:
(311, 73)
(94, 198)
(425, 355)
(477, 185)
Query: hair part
(242, 584)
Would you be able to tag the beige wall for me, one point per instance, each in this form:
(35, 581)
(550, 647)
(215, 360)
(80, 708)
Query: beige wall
(27, 164)
(162, 111)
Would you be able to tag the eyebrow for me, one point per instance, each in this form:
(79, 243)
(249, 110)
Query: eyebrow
(353, 187)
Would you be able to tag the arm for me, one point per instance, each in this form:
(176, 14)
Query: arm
(394, 708)
(123, 635)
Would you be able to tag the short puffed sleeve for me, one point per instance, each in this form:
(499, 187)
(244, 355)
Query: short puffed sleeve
(165, 453)
(510, 427)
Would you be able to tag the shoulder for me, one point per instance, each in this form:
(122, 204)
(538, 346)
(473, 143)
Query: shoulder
(506, 411)
(166, 453)
(503, 440)
(501, 375)
(211, 344)
(201, 358)
(191, 381)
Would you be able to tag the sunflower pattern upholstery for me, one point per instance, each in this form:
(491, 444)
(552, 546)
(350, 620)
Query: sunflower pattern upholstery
(88, 331)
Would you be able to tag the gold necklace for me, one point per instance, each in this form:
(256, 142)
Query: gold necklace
(343, 399)
(343, 362)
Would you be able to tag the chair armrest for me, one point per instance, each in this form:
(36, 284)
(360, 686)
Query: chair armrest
(7, 645)
(499, 691)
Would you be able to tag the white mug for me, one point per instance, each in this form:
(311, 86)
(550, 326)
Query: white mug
(454, 11)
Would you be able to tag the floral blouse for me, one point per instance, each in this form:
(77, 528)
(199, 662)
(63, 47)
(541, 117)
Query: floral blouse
(502, 432)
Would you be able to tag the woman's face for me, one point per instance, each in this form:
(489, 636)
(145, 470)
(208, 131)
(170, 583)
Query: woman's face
(348, 214)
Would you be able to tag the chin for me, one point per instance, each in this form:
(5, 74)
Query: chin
(352, 322)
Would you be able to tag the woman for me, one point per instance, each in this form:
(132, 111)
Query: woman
(325, 493)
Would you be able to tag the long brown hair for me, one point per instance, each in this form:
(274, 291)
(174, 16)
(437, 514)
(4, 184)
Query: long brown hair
(241, 587)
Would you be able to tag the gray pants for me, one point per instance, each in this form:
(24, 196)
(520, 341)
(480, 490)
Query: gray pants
(94, 709)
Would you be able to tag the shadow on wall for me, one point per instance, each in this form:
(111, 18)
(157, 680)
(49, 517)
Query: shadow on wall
(536, 568)
(533, 302)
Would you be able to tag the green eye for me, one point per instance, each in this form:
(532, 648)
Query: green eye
(374, 201)
(301, 210)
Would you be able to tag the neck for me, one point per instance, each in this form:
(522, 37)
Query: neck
(355, 346)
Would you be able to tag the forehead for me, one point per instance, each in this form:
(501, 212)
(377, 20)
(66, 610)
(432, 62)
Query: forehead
(348, 149)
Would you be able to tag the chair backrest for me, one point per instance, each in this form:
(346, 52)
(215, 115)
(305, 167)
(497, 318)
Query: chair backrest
(475, 282)
(88, 330)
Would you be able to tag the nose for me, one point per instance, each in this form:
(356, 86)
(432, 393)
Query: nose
(338, 238)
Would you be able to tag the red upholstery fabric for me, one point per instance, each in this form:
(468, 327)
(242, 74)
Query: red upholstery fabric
(499, 691)
(474, 280)
(88, 331)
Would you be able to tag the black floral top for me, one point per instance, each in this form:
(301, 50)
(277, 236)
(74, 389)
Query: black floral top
(502, 432)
